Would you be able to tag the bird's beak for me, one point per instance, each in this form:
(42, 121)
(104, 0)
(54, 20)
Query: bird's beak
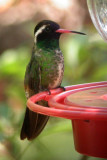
(68, 31)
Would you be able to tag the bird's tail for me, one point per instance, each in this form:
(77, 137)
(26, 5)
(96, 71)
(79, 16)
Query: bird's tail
(33, 124)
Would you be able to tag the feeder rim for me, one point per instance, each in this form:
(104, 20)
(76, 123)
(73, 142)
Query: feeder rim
(91, 114)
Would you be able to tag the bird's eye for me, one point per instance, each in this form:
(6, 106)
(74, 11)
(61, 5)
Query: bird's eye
(47, 29)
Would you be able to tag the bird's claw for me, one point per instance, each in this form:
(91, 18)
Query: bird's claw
(49, 92)
(62, 88)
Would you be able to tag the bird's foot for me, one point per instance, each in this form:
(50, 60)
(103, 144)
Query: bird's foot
(48, 90)
(62, 88)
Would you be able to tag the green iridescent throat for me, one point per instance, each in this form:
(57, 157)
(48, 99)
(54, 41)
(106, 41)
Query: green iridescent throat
(48, 44)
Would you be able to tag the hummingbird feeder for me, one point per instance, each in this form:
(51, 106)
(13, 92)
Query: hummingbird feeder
(98, 13)
(86, 106)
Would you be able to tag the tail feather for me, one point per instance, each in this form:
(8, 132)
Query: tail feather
(33, 124)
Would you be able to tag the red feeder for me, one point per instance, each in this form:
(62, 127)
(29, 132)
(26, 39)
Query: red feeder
(86, 106)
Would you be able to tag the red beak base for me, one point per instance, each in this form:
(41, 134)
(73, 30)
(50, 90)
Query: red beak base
(68, 31)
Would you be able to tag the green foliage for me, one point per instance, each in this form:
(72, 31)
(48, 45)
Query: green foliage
(85, 60)
(13, 62)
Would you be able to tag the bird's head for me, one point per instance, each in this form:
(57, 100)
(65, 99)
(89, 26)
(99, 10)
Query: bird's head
(47, 33)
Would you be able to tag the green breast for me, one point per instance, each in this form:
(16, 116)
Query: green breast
(49, 61)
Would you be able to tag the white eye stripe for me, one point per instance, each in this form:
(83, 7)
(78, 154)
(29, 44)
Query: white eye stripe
(40, 30)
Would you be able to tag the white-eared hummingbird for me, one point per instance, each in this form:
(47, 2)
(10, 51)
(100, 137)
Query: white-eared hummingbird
(44, 72)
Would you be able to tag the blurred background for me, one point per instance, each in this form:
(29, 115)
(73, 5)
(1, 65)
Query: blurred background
(85, 61)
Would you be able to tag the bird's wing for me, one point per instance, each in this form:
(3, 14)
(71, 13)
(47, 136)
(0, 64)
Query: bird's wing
(33, 122)
(32, 81)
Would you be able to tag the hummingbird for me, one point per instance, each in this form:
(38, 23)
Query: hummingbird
(44, 72)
